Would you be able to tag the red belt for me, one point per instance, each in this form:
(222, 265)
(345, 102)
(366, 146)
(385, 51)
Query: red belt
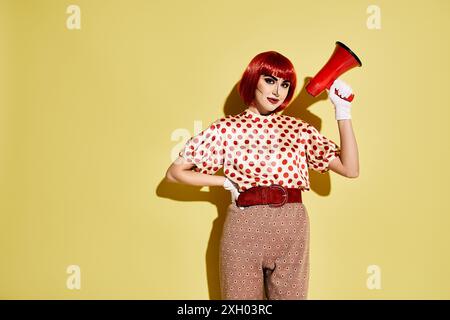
(274, 195)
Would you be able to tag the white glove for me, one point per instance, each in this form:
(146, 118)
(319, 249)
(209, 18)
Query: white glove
(341, 106)
(232, 187)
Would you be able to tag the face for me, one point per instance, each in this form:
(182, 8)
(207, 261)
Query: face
(270, 93)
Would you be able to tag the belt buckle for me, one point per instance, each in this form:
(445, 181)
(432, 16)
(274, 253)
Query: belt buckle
(284, 196)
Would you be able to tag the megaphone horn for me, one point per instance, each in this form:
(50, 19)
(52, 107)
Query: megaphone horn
(342, 60)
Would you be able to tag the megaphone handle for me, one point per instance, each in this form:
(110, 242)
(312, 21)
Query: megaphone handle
(349, 98)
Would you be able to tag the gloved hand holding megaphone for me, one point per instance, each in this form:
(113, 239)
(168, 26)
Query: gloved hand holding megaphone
(338, 94)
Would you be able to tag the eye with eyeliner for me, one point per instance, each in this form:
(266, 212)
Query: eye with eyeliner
(271, 81)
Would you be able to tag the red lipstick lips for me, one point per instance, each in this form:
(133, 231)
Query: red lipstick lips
(272, 100)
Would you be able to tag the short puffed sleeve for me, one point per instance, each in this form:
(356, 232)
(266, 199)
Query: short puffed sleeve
(320, 150)
(205, 150)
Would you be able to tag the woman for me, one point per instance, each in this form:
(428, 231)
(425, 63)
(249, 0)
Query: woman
(264, 246)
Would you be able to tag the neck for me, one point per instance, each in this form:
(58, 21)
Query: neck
(255, 110)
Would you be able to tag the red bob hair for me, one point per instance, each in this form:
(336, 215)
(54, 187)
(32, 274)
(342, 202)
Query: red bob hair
(270, 63)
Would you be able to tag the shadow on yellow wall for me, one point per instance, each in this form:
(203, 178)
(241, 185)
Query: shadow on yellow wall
(218, 196)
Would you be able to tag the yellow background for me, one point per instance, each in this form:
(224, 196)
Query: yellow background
(91, 119)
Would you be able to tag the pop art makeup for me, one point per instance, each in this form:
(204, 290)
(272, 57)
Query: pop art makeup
(270, 93)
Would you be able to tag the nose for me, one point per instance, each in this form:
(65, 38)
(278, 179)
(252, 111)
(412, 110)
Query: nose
(275, 91)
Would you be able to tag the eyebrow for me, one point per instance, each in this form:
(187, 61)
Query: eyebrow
(275, 78)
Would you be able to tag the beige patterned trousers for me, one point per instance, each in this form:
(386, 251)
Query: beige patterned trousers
(264, 253)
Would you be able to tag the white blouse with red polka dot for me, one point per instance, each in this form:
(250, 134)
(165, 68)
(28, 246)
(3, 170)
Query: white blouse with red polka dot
(261, 150)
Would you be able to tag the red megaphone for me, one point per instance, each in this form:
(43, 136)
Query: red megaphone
(342, 60)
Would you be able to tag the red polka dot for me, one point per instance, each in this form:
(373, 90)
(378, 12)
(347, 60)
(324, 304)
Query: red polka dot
(247, 150)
